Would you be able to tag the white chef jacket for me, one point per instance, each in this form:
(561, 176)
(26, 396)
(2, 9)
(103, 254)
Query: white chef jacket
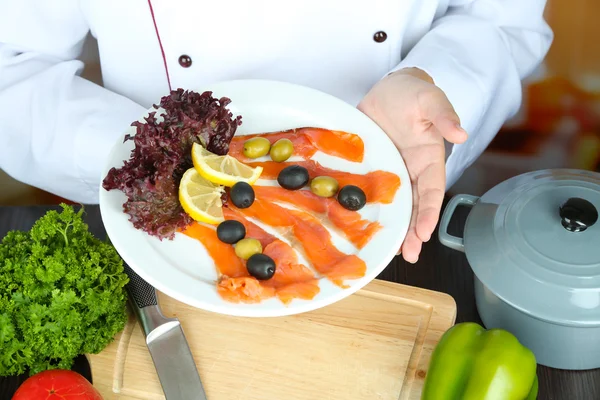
(56, 128)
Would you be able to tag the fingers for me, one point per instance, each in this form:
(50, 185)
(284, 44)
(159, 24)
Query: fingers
(411, 247)
(430, 188)
(450, 129)
(428, 196)
(437, 109)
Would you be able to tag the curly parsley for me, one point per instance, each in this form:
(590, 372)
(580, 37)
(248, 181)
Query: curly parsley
(62, 294)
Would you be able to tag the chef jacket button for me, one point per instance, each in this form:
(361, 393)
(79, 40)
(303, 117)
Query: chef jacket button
(185, 61)
(380, 36)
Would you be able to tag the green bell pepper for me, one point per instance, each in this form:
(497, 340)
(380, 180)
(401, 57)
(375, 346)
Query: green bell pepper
(472, 363)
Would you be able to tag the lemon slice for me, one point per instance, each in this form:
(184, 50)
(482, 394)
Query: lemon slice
(223, 170)
(200, 198)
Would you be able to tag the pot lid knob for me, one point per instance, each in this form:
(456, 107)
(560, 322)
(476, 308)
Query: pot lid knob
(578, 214)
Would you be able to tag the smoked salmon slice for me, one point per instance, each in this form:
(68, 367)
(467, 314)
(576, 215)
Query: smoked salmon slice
(234, 283)
(223, 254)
(291, 280)
(314, 239)
(252, 230)
(307, 141)
(243, 289)
(357, 230)
(379, 186)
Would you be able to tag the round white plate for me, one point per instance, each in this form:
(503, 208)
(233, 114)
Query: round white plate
(182, 269)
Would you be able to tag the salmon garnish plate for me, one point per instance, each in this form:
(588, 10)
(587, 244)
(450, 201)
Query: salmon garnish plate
(303, 202)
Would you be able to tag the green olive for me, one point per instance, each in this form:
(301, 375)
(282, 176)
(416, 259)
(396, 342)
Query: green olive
(282, 150)
(324, 186)
(256, 147)
(247, 247)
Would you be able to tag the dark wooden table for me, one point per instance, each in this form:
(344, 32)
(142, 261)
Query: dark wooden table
(439, 268)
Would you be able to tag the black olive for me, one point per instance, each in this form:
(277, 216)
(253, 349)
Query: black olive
(293, 177)
(352, 198)
(261, 266)
(231, 231)
(242, 195)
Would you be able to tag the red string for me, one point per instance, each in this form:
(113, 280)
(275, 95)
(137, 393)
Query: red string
(160, 44)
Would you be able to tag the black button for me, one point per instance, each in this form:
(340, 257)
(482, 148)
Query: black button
(185, 61)
(380, 36)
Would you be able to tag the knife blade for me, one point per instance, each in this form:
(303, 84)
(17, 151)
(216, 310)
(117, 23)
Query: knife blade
(166, 342)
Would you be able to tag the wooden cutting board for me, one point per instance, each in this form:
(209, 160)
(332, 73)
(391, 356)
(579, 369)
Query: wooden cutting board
(375, 344)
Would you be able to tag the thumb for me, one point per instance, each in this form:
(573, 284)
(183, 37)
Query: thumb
(438, 110)
(449, 128)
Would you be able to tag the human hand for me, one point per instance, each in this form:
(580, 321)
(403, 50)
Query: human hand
(417, 116)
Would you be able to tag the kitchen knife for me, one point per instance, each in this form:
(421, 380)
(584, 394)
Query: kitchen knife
(168, 347)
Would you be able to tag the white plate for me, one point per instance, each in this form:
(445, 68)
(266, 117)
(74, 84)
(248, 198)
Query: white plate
(182, 269)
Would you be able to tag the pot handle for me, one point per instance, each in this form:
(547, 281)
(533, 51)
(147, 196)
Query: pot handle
(445, 238)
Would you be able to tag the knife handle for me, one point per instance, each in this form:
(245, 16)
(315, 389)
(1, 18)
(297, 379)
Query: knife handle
(143, 299)
(142, 293)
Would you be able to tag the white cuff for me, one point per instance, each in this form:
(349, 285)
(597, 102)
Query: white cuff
(96, 138)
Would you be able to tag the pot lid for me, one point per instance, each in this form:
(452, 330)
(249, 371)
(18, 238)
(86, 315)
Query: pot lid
(534, 241)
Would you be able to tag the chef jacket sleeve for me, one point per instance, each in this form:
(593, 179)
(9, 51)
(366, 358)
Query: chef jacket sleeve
(56, 128)
(478, 52)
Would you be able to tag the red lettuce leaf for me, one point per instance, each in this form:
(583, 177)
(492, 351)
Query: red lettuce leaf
(150, 178)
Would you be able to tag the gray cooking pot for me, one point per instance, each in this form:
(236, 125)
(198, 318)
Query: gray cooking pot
(533, 243)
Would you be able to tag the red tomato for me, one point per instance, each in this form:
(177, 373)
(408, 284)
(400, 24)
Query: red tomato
(57, 384)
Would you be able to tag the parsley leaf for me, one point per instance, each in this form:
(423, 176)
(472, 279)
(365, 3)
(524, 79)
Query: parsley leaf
(62, 294)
